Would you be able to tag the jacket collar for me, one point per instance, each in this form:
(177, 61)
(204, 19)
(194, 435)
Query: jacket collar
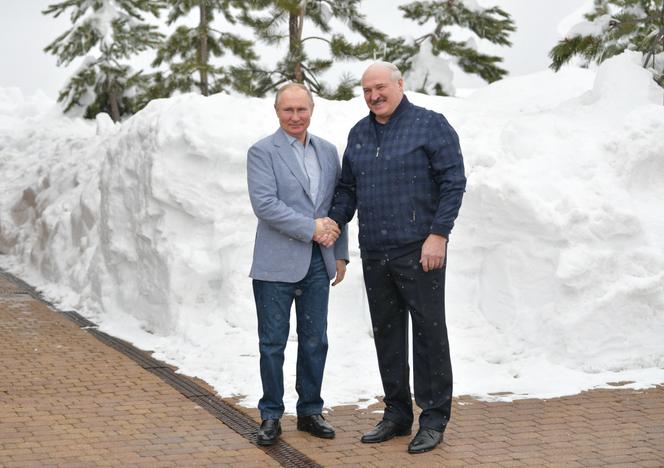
(403, 106)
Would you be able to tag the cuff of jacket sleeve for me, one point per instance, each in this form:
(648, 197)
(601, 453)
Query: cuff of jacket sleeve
(339, 223)
(441, 230)
(312, 231)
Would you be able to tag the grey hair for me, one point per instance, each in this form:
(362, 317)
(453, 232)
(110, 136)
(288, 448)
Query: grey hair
(287, 86)
(395, 73)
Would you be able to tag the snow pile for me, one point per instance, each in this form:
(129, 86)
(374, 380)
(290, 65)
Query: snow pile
(590, 28)
(49, 167)
(555, 277)
(561, 239)
(427, 70)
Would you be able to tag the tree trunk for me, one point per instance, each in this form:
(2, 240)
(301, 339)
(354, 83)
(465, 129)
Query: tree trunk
(203, 47)
(113, 105)
(295, 25)
(112, 99)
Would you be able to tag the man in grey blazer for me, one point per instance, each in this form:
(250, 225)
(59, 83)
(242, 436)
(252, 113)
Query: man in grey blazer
(297, 252)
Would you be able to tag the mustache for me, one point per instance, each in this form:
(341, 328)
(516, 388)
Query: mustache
(376, 101)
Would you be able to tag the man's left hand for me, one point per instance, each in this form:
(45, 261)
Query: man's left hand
(433, 252)
(327, 232)
(341, 272)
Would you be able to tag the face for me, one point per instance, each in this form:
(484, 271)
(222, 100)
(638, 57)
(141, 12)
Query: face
(294, 110)
(381, 94)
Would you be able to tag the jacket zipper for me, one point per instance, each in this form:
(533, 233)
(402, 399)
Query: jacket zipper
(373, 124)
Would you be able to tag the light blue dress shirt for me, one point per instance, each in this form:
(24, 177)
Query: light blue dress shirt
(308, 160)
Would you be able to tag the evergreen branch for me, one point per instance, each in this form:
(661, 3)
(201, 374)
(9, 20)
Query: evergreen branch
(646, 19)
(316, 37)
(483, 65)
(56, 9)
(264, 24)
(239, 47)
(424, 37)
(492, 24)
(311, 76)
(589, 47)
(344, 89)
(72, 44)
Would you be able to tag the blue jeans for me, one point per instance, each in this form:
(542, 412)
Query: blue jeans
(273, 304)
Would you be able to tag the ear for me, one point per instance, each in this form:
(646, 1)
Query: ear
(400, 83)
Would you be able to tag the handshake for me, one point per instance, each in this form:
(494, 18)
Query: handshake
(327, 231)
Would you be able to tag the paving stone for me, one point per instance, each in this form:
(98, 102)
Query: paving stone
(68, 399)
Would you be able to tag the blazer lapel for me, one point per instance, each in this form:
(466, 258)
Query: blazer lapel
(325, 168)
(285, 152)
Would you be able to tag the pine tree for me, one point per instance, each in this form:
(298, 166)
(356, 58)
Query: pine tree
(115, 29)
(613, 26)
(285, 19)
(189, 50)
(425, 61)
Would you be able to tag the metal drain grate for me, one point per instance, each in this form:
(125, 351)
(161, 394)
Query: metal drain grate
(141, 358)
(233, 418)
(182, 385)
(14, 280)
(238, 421)
(25, 288)
(11, 292)
(78, 319)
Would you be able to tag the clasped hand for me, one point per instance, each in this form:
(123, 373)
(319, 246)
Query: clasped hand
(327, 231)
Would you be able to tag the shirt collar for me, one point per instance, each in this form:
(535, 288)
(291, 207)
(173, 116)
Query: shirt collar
(291, 139)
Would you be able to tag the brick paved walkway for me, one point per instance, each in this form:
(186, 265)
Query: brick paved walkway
(67, 399)
(598, 428)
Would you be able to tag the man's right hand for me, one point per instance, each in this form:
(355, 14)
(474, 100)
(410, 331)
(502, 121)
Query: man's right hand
(327, 232)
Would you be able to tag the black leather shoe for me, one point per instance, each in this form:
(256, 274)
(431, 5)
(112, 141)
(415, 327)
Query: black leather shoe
(316, 426)
(269, 432)
(384, 430)
(426, 439)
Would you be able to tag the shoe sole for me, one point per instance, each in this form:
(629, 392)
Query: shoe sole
(321, 436)
(423, 451)
(265, 443)
(378, 441)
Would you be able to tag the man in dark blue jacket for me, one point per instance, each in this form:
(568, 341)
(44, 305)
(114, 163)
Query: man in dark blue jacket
(403, 172)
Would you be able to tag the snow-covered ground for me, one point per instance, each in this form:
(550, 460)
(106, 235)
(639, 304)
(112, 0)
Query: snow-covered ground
(556, 265)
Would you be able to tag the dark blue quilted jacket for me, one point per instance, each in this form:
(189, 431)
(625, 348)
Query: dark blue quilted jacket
(405, 178)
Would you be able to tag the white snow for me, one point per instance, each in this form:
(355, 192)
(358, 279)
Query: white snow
(428, 70)
(577, 16)
(472, 5)
(556, 265)
(597, 27)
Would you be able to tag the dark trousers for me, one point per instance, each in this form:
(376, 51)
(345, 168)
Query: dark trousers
(273, 305)
(394, 288)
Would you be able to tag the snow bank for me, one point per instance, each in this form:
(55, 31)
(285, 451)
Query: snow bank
(555, 277)
(560, 252)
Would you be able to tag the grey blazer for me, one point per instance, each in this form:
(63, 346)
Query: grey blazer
(282, 202)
